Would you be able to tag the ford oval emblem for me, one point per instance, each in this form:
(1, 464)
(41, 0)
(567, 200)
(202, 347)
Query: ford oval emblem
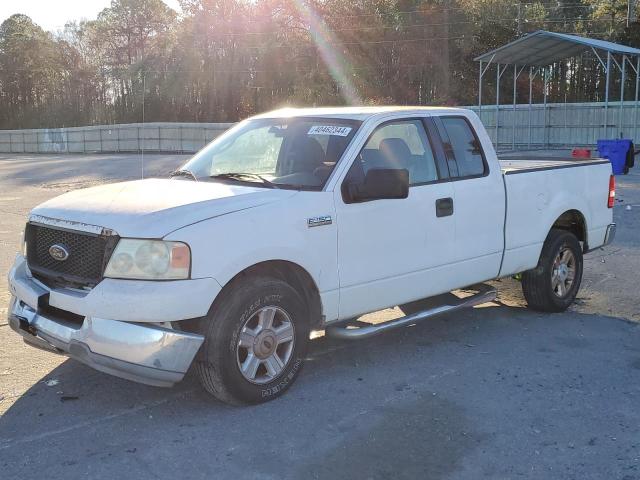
(59, 252)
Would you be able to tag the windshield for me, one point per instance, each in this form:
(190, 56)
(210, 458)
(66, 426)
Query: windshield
(297, 153)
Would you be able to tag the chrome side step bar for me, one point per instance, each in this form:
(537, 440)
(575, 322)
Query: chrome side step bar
(350, 330)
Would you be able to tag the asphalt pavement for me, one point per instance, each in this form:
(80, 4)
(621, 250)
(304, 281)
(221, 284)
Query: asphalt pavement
(497, 392)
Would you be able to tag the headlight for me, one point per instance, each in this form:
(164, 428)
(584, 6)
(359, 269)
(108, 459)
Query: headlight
(149, 260)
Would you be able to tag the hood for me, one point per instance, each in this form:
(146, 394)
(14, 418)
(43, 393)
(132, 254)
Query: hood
(153, 208)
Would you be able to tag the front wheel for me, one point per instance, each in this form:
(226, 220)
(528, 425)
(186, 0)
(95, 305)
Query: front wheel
(553, 285)
(255, 340)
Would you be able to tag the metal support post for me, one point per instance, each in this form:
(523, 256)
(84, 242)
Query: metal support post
(606, 96)
(622, 81)
(513, 120)
(516, 75)
(480, 91)
(635, 108)
(544, 108)
(497, 104)
(530, 102)
(499, 74)
(566, 121)
(481, 76)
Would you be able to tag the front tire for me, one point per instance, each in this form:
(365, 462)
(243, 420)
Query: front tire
(256, 338)
(553, 285)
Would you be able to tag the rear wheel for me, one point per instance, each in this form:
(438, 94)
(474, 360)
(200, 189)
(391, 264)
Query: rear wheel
(255, 340)
(553, 285)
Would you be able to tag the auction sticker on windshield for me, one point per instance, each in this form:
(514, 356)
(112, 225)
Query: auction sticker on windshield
(329, 130)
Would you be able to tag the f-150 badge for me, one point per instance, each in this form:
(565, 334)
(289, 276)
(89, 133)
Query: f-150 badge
(319, 221)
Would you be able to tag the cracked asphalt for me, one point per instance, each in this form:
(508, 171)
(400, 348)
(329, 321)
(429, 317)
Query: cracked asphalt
(497, 392)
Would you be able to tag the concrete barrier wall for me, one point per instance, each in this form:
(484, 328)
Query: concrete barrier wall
(132, 137)
(537, 126)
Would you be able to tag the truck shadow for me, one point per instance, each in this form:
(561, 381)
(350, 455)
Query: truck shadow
(387, 406)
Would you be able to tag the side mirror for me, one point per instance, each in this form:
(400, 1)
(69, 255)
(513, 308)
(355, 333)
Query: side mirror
(379, 184)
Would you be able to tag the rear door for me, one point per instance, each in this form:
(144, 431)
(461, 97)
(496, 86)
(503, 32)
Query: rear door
(479, 199)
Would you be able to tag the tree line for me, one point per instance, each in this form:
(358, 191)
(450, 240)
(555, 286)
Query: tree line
(222, 60)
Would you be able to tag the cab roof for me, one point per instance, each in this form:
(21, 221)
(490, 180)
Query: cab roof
(352, 113)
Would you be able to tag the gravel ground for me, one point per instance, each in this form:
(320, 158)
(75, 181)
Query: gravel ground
(494, 392)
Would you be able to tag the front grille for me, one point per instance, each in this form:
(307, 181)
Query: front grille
(87, 255)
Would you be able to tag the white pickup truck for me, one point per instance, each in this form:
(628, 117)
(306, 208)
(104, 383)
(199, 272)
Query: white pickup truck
(299, 220)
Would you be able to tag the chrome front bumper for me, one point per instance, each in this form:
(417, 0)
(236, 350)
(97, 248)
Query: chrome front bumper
(142, 352)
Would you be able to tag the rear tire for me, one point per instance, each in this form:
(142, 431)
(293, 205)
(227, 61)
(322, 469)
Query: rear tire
(256, 337)
(553, 285)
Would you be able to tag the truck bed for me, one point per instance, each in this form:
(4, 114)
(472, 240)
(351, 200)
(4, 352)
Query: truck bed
(551, 186)
(514, 164)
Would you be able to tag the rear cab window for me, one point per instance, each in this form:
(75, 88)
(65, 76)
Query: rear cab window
(462, 148)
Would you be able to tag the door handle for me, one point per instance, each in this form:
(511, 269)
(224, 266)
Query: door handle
(444, 207)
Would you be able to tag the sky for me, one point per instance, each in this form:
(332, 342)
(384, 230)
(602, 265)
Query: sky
(53, 14)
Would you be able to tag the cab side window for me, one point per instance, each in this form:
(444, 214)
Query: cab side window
(398, 145)
(464, 147)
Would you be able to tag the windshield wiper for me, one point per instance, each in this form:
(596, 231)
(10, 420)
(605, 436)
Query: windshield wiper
(183, 173)
(242, 177)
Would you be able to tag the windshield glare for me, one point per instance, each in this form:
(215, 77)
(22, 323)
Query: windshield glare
(295, 153)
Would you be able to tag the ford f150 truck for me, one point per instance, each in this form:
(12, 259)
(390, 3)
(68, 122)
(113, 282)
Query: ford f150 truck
(299, 220)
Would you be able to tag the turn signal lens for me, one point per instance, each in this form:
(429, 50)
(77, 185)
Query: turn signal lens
(612, 191)
(180, 256)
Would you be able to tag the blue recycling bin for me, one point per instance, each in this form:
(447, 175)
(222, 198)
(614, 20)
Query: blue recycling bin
(616, 152)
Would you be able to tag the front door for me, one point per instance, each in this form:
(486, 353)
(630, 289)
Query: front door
(395, 251)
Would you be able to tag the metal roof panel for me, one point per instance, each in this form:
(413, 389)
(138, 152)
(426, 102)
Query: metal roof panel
(543, 48)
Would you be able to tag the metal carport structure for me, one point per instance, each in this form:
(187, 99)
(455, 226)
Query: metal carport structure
(540, 49)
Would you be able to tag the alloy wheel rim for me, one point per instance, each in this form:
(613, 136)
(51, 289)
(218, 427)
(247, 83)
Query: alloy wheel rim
(265, 345)
(563, 273)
